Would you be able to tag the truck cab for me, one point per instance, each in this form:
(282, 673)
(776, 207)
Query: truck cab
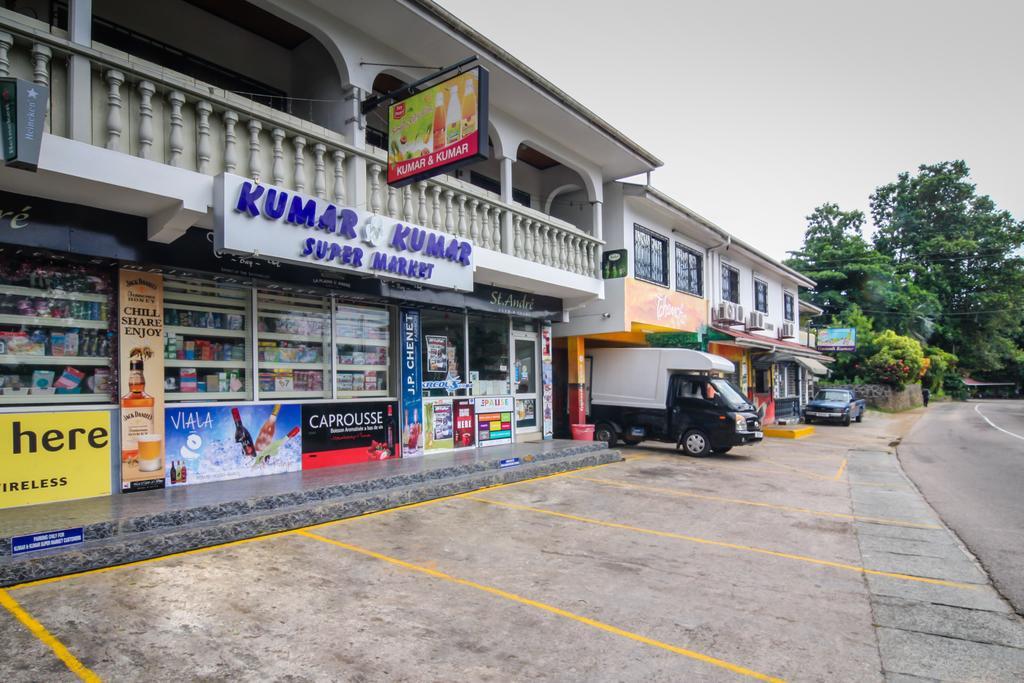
(672, 395)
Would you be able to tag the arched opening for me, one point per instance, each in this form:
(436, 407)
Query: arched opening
(243, 49)
(550, 186)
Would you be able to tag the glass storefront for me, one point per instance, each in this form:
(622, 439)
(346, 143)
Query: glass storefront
(488, 355)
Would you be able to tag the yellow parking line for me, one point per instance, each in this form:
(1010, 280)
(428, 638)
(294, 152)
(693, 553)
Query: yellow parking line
(754, 503)
(842, 468)
(266, 537)
(809, 473)
(608, 628)
(723, 544)
(47, 638)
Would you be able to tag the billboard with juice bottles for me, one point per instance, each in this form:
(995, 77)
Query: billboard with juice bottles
(439, 128)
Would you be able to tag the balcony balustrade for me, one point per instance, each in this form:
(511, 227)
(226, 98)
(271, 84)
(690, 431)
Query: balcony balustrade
(153, 113)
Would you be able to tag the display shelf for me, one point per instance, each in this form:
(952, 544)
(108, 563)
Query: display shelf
(32, 321)
(12, 359)
(298, 312)
(204, 332)
(53, 294)
(293, 394)
(358, 368)
(286, 336)
(181, 363)
(26, 399)
(200, 396)
(275, 365)
(362, 394)
(174, 299)
(357, 341)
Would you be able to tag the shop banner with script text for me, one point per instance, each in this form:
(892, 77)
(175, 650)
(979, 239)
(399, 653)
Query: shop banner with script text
(141, 387)
(652, 305)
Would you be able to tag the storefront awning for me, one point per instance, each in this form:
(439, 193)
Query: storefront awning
(811, 365)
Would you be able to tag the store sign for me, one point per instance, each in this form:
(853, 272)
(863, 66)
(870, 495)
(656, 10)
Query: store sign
(47, 540)
(265, 221)
(53, 456)
(345, 433)
(220, 442)
(412, 379)
(22, 121)
(141, 347)
(438, 129)
(465, 431)
(511, 302)
(614, 264)
(652, 305)
(494, 420)
(837, 339)
(509, 462)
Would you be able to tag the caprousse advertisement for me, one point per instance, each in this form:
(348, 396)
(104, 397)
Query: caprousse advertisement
(215, 443)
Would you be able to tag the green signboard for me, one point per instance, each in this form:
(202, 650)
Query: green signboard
(614, 264)
(22, 121)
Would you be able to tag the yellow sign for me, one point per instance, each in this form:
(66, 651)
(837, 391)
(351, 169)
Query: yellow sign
(48, 457)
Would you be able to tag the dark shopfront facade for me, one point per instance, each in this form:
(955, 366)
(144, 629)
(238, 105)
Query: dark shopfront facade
(176, 364)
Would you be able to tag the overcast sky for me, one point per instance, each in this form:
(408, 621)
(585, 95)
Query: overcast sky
(762, 110)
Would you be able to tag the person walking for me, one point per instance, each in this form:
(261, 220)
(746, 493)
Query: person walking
(926, 394)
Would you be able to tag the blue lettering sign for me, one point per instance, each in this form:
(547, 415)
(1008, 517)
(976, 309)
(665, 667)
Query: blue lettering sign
(48, 539)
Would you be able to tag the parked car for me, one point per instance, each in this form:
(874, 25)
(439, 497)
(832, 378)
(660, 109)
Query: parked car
(672, 395)
(835, 405)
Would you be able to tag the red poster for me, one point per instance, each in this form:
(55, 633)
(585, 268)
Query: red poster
(465, 428)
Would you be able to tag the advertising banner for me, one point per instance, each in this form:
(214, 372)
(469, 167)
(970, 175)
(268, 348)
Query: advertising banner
(345, 433)
(264, 221)
(653, 305)
(412, 381)
(548, 427)
(494, 420)
(837, 339)
(465, 429)
(23, 107)
(440, 425)
(437, 353)
(614, 264)
(141, 344)
(49, 457)
(221, 442)
(438, 129)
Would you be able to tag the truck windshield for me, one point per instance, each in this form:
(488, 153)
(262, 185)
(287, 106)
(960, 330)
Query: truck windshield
(832, 396)
(731, 395)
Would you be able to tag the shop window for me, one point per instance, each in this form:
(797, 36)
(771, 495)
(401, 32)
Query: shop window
(293, 337)
(787, 307)
(760, 296)
(56, 340)
(730, 284)
(762, 380)
(207, 354)
(488, 355)
(444, 351)
(650, 256)
(689, 271)
(362, 341)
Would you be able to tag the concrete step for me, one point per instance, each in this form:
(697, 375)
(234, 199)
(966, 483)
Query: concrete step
(144, 531)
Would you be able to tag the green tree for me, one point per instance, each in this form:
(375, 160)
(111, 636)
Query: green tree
(897, 360)
(940, 366)
(954, 244)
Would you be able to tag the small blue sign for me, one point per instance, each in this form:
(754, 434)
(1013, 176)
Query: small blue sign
(509, 462)
(47, 540)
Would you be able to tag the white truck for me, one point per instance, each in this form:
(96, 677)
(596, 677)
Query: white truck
(673, 395)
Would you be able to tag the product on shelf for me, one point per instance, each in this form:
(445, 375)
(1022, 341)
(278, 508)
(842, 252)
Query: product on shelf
(289, 352)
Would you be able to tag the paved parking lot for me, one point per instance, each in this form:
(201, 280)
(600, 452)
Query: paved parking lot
(663, 568)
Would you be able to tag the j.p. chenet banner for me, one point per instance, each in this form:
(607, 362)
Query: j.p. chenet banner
(265, 221)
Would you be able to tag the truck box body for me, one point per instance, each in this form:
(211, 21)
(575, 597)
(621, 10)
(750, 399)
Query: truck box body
(639, 378)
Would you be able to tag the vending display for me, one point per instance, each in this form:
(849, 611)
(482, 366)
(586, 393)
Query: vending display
(56, 341)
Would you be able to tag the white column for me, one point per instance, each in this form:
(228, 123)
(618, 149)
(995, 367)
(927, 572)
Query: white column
(506, 197)
(79, 110)
(355, 133)
(598, 230)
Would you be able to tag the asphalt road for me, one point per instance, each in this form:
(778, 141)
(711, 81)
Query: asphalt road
(971, 470)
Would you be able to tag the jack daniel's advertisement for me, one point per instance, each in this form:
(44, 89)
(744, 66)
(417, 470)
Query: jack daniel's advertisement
(141, 321)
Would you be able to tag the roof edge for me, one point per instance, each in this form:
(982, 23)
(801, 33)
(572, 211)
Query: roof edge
(500, 54)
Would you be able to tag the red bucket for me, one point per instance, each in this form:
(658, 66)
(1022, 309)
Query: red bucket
(582, 432)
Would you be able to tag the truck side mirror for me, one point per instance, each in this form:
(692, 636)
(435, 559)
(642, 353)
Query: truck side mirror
(760, 411)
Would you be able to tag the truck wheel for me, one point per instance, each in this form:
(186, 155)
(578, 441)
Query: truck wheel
(808, 420)
(860, 416)
(696, 444)
(846, 420)
(605, 432)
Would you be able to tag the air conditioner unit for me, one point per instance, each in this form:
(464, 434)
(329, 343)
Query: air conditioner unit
(729, 313)
(739, 314)
(755, 320)
(787, 331)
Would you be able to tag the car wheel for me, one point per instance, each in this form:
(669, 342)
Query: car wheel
(846, 420)
(696, 444)
(605, 432)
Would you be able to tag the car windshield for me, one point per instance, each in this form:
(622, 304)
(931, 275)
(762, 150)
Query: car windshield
(731, 395)
(832, 396)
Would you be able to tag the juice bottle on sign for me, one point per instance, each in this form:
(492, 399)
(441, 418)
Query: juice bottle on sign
(183, 473)
(266, 433)
(469, 108)
(137, 407)
(438, 121)
(453, 118)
